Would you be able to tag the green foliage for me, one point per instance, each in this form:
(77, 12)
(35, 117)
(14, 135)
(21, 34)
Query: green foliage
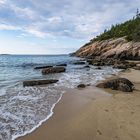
(129, 29)
(136, 34)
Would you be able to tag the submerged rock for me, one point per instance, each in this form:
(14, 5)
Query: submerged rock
(98, 68)
(38, 82)
(79, 63)
(64, 65)
(121, 84)
(53, 70)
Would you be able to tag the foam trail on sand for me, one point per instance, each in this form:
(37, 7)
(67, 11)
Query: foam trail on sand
(40, 123)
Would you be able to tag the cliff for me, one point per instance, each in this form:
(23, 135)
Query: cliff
(118, 48)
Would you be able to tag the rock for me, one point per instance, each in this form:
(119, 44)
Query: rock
(118, 48)
(63, 65)
(81, 86)
(124, 87)
(120, 66)
(124, 65)
(87, 66)
(121, 84)
(136, 68)
(53, 70)
(98, 68)
(38, 82)
(98, 64)
(42, 67)
(79, 63)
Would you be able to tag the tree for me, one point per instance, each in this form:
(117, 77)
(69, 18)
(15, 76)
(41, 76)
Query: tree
(136, 34)
(137, 14)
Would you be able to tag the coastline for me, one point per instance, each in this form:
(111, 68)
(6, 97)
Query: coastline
(92, 113)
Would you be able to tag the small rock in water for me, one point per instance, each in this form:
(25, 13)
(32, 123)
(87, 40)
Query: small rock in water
(79, 63)
(121, 84)
(64, 65)
(43, 67)
(87, 66)
(38, 82)
(53, 70)
(98, 68)
(81, 86)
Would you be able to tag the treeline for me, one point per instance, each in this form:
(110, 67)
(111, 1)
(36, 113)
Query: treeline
(129, 29)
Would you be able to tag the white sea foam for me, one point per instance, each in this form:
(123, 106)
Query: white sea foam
(40, 123)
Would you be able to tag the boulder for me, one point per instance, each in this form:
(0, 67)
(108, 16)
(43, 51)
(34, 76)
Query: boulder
(121, 84)
(38, 82)
(43, 67)
(81, 86)
(53, 70)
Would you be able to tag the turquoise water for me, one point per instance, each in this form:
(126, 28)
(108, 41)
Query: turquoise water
(23, 109)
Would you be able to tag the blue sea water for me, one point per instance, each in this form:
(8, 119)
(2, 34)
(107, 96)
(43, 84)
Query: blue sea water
(23, 109)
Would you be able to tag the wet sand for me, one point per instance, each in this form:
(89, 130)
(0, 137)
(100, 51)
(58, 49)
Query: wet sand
(94, 114)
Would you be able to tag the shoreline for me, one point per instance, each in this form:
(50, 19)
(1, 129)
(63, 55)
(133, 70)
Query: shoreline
(40, 123)
(86, 101)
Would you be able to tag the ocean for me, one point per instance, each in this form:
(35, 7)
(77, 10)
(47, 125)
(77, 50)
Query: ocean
(23, 109)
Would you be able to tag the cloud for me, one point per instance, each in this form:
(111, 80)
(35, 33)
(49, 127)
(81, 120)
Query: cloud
(8, 27)
(74, 19)
(2, 2)
(35, 32)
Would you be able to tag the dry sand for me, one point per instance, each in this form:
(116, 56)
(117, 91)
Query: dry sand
(93, 114)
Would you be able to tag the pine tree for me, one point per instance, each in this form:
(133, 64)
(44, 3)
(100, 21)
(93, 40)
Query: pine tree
(137, 14)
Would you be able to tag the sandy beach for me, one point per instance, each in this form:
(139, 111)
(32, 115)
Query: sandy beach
(94, 114)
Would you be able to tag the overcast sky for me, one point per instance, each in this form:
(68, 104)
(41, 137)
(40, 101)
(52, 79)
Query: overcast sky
(57, 26)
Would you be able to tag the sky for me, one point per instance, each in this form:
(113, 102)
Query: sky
(57, 26)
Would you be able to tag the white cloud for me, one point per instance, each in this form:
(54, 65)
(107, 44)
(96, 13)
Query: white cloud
(2, 2)
(8, 27)
(35, 32)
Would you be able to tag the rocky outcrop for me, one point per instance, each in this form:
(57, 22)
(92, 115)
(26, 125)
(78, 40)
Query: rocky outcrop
(53, 70)
(112, 48)
(38, 82)
(121, 84)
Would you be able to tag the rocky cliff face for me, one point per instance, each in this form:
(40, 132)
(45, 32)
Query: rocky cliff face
(112, 48)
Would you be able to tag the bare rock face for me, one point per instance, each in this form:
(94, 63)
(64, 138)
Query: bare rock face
(53, 70)
(121, 84)
(111, 48)
(38, 82)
